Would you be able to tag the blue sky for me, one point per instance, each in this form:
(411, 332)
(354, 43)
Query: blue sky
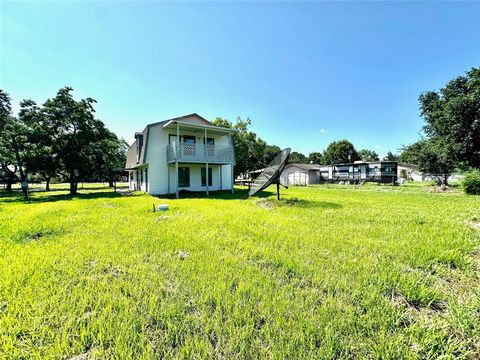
(306, 73)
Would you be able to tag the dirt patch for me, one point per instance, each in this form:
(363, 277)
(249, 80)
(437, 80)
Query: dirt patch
(182, 255)
(417, 308)
(265, 204)
(441, 190)
(161, 218)
(36, 235)
(84, 356)
(475, 225)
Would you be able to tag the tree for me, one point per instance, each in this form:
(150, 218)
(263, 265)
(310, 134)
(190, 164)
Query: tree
(11, 135)
(315, 158)
(391, 157)
(452, 117)
(41, 137)
(270, 152)
(431, 157)
(79, 136)
(297, 158)
(368, 155)
(251, 152)
(341, 151)
(7, 167)
(110, 155)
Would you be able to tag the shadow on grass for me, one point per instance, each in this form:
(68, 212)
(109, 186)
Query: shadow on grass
(17, 197)
(239, 194)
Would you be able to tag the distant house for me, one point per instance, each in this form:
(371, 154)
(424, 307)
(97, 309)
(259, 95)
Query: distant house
(174, 155)
(410, 172)
(380, 171)
(300, 174)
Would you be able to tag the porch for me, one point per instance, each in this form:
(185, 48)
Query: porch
(198, 177)
(199, 153)
(200, 157)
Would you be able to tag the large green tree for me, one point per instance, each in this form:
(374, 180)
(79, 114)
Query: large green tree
(315, 158)
(41, 136)
(110, 157)
(341, 151)
(431, 157)
(452, 117)
(297, 158)
(391, 157)
(11, 143)
(251, 152)
(368, 155)
(80, 136)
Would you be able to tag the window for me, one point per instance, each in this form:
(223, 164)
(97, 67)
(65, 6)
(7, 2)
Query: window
(183, 177)
(204, 179)
(209, 146)
(188, 139)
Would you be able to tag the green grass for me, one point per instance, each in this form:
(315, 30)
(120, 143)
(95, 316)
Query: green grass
(328, 272)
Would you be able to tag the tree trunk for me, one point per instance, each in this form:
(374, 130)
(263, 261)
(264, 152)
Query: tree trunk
(9, 185)
(73, 187)
(23, 178)
(110, 182)
(47, 183)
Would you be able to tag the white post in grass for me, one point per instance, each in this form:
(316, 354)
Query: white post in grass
(177, 150)
(205, 153)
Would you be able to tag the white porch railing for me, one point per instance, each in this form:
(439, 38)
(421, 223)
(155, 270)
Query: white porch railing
(186, 152)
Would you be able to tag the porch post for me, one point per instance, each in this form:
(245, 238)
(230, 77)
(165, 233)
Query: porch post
(168, 174)
(177, 145)
(221, 180)
(205, 153)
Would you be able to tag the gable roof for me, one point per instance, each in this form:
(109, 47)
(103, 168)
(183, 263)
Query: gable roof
(132, 151)
(192, 120)
(182, 119)
(304, 166)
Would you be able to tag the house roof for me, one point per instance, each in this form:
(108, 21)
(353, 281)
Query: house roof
(185, 120)
(304, 166)
(132, 151)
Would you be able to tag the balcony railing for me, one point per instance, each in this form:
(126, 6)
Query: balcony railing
(186, 152)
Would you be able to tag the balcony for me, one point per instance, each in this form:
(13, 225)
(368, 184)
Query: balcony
(199, 153)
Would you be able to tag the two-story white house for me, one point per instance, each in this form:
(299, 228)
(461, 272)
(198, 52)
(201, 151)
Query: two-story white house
(173, 155)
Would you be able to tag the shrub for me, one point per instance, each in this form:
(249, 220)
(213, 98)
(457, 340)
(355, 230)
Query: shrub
(471, 183)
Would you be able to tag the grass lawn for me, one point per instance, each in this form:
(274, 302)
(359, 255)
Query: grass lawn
(328, 272)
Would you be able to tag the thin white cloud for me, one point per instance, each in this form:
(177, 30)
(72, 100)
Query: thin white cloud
(323, 131)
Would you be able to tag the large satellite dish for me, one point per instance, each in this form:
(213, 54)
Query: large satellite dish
(271, 174)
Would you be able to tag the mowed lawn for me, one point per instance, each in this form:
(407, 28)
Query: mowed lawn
(328, 272)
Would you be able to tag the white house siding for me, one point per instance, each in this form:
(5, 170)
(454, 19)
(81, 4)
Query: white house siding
(196, 178)
(295, 176)
(156, 157)
(227, 180)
